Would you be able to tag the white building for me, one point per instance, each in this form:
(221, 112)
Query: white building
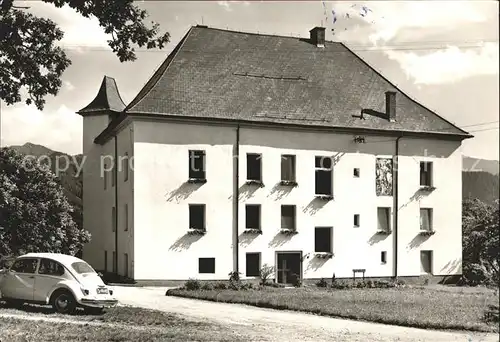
(246, 149)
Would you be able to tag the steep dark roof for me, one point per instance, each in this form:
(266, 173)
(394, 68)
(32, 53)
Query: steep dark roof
(220, 74)
(107, 98)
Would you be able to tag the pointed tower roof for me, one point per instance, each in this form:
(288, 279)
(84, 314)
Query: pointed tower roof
(107, 99)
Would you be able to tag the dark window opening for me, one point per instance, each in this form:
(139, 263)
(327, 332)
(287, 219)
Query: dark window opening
(288, 217)
(323, 176)
(356, 172)
(50, 267)
(426, 173)
(253, 265)
(252, 216)
(383, 257)
(426, 262)
(323, 240)
(288, 168)
(206, 265)
(254, 167)
(197, 216)
(356, 220)
(426, 219)
(383, 219)
(25, 265)
(197, 164)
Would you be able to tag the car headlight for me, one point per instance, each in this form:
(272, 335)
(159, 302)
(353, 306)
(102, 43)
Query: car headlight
(85, 291)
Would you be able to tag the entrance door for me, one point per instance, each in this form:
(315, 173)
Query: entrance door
(289, 267)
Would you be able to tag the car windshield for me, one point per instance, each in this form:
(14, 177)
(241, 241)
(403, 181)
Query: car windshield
(82, 267)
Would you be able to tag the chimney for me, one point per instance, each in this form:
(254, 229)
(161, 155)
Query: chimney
(317, 36)
(390, 105)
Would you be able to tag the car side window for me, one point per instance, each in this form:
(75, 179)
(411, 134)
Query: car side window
(50, 267)
(25, 265)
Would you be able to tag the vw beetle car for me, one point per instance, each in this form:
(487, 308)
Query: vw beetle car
(61, 280)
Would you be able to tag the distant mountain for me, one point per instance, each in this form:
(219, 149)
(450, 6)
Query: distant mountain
(481, 185)
(71, 181)
(475, 165)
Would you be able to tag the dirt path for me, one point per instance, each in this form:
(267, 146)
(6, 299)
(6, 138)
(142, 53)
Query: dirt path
(273, 325)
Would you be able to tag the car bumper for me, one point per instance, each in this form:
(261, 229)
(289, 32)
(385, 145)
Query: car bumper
(98, 303)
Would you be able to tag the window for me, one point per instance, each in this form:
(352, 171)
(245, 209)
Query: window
(197, 216)
(125, 162)
(113, 219)
(356, 172)
(125, 214)
(323, 239)
(426, 262)
(253, 265)
(324, 175)
(383, 215)
(288, 217)
(383, 257)
(288, 168)
(197, 164)
(252, 216)
(254, 167)
(25, 265)
(81, 267)
(426, 219)
(113, 175)
(356, 220)
(206, 265)
(114, 262)
(425, 173)
(105, 261)
(50, 267)
(125, 264)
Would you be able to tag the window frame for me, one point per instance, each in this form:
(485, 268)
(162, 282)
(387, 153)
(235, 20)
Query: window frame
(430, 215)
(356, 172)
(322, 168)
(204, 216)
(330, 240)
(259, 265)
(47, 274)
(388, 217)
(357, 221)
(426, 170)
(200, 265)
(294, 216)
(37, 260)
(197, 174)
(257, 207)
(250, 170)
(383, 257)
(288, 164)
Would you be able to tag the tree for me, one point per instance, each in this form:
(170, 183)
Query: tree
(481, 251)
(35, 215)
(31, 60)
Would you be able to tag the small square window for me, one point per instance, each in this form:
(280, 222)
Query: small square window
(356, 172)
(253, 265)
(206, 265)
(383, 257)
(254, 167)
(197, 216)
(356, 220)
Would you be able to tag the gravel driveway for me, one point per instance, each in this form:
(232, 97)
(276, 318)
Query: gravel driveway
(272, 325)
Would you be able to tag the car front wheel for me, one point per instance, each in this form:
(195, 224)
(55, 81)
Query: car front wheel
(63, 302)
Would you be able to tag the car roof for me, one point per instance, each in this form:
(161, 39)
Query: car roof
(62, 258)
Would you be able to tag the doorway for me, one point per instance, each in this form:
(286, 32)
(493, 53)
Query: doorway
(288, 267)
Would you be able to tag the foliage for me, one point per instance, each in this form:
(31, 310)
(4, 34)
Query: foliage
(266, 272)
(207, 286)
(32, 60)
(322, 283)
(481, 250)
(220, 286)
(192, 284)
(234, 280)
(35, 215)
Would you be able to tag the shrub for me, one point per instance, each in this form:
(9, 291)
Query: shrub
(265, 274)
(322, 283)
(192, 285)
(361, 284)
(341, 285)
(207, 286)
(369, 284)
(234, 281)
(277, 285)
(297, 282)
(246, 286)
(220, 286)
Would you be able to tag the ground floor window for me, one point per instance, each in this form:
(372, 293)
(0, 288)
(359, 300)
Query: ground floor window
(206, 265)
(426, 262)
(253, 265)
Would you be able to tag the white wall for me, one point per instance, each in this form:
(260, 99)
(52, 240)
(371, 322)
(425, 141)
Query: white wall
(97, 202)
(162, 196)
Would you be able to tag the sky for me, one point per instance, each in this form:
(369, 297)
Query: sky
(443, 54)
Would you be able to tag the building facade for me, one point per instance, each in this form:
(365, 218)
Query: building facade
(224, 164)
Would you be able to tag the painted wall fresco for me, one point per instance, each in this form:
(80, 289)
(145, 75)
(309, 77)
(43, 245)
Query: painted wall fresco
(383, 176)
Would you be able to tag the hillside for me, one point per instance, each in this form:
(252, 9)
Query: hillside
(481, 185)
(474, 164)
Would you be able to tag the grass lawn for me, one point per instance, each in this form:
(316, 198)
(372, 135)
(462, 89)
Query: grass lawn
(414, 307)
(117, 324)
